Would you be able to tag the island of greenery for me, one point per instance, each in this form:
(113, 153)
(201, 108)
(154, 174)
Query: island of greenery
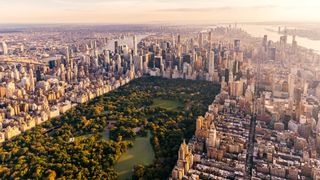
(73, 146)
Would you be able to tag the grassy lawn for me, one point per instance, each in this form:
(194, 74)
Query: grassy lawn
(140, 153)
(170, 105)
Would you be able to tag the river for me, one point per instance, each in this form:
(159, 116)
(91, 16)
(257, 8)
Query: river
(261, 30)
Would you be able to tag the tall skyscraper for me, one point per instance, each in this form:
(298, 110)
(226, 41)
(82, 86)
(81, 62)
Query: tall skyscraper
(283, 41)
(237, 45)
(179, 39)
(210, 38)
(298, 103)
(106, 57)
(173, 41)
(294, 44)
(94, 44)
(130, 59)
(67, 55)
(200, 40)
(211, 63)
(141, 64)
(116, 47)
(272, 53)
(135, 49)
(265, 42)
(191, 43)
(4, 48)
(62, 72)
(22, 48)
(91, 44)
(32, 83)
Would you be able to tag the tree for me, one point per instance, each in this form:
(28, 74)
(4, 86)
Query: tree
(45, 151)
(51, 175)
(138, 172)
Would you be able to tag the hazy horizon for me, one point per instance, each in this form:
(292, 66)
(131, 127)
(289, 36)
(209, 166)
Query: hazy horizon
(156, 11)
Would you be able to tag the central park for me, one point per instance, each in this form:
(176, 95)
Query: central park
(130, 133)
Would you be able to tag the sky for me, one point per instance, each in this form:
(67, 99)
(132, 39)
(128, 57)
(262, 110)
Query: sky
(157, 11)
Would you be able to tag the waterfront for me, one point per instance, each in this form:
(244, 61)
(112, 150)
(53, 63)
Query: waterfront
(271, 31)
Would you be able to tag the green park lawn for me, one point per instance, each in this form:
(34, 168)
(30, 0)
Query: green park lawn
(141, 153)
(170, 105)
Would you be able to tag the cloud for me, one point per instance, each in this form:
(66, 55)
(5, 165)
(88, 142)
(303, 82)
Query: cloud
(103, 1)
(78, 10)
(80, 1)
(100, 2)
(191, 9)
(156, 10)
(223, 8)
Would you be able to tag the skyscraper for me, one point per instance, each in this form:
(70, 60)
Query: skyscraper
(94, 44)
(272, 53)
(237, 45)
(294, 44)
(135, 49)
(32, 83)
(200, 40)
(22, 48)
(67, 55)
(283, 41)
(173, 41)
(106, 57)
(179, 39)
(211, 63)
(210, 39)
(4, 48)
(116, 47)
(265, 42)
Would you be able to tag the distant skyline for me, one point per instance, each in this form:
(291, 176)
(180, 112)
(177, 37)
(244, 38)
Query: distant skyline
(157, 11)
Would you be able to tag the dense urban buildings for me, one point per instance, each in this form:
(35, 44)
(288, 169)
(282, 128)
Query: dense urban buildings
(265, 127)
(264, 123)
